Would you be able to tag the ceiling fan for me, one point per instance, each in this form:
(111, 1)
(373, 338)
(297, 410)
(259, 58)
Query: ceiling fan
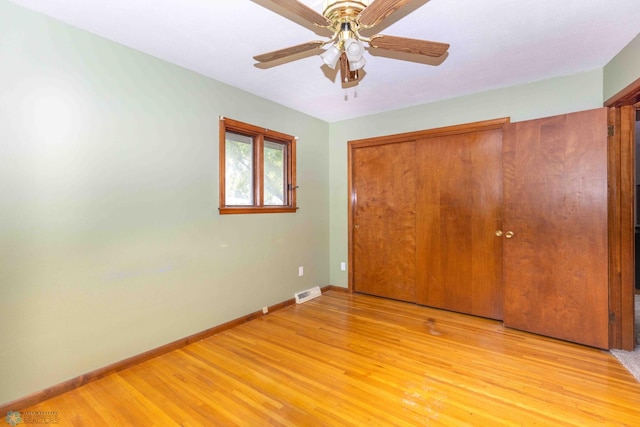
(346, 19)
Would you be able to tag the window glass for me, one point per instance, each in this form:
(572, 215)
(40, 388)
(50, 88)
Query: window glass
(274, 174)
(239, 169)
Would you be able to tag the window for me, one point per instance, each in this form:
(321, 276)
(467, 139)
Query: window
(257, 169)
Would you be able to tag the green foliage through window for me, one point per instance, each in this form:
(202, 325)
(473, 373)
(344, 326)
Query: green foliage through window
(274, 179)
(239, 170)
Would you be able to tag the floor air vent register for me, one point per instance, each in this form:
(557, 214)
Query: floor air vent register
(305, 296)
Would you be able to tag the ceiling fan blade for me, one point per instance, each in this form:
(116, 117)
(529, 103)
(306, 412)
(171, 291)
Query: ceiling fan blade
(346, 75)
(406, 45)
(379, 10)
(303, 11)
(278, 54)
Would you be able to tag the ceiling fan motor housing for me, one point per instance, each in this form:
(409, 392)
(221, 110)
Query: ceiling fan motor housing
(343, 11)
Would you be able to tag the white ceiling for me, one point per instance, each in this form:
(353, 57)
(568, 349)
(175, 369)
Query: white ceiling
(494, 43)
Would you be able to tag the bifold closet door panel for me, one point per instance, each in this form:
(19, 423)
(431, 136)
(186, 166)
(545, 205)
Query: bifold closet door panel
(384, 243)
(555, 204)
(459, 203)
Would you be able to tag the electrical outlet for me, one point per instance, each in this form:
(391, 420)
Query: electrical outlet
(343, 266)
(265, 309)
(300, 271)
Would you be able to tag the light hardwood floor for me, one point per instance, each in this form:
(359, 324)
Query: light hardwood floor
(357, 360)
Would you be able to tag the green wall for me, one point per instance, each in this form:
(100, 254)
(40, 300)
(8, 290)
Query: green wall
(540, 99)
(623, 69)
(110, 240)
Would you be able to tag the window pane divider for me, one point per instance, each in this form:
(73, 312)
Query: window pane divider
(259, 170)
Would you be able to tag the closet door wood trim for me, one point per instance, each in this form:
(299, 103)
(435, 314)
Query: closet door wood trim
(428, 133)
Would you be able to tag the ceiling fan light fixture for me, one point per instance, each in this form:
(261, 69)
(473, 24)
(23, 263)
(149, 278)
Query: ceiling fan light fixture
(331, 56)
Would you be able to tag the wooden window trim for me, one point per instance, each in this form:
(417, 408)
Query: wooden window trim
(259, 135)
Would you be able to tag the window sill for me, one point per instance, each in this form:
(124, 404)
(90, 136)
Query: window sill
(231, 210)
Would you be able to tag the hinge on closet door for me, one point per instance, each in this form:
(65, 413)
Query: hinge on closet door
(612, 317)
(611, 130)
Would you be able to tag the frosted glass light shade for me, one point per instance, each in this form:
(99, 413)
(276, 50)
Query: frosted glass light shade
(354, 50)
(356, 65)
(331, 56)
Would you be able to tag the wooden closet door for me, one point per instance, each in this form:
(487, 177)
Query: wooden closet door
(384, 245)
(555, 203)
(459, 203)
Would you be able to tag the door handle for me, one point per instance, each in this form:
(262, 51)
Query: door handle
(509, 234)
(498, 233)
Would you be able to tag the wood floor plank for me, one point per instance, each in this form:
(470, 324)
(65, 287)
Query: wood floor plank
(357, 360)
